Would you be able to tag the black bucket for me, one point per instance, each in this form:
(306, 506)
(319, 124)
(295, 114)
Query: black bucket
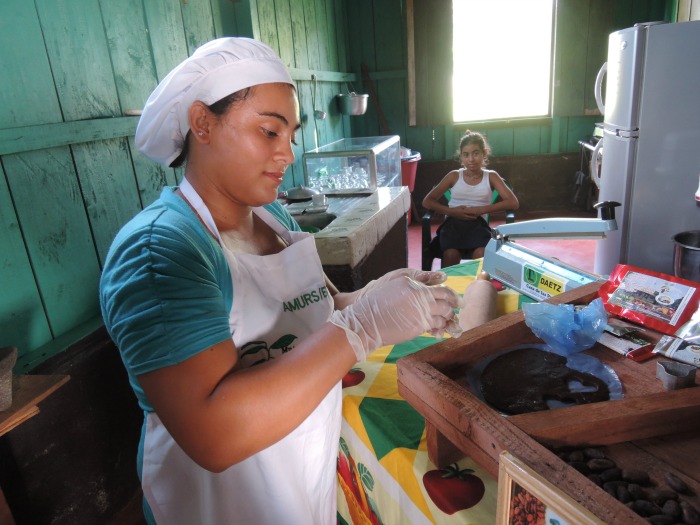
(686, 255)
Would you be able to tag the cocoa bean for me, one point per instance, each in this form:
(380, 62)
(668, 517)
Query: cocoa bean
(580, 466)
(661, 495)
(611, 474)
(636, 491)
(660, 519)
(672, 508)
(676, 483)
(614, 484)
(690, 513)
(600, 464)
(635, 476)
(645, 508)
(593, 453)
(622, 494)
(576, 455)
(595, 478)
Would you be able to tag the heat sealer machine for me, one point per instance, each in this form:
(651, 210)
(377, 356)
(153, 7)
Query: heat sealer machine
(533, 274)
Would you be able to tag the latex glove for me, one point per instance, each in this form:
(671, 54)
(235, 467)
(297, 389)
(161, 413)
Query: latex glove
(397, 311)
(427, 278)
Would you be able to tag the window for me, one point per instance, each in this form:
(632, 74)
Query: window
(502, 59)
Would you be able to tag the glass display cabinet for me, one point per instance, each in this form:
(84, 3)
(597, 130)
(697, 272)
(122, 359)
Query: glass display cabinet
(356, 165)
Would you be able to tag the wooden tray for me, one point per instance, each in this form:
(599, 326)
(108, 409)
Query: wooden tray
(434, 382)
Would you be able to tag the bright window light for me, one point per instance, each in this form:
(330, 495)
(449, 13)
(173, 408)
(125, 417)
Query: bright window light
(502, 59)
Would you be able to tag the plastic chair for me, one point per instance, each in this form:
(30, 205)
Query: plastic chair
(431, 244)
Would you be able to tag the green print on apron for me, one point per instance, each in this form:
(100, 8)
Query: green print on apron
(294, 480)
(260, 351)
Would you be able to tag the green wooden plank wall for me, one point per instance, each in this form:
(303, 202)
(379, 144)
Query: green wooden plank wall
(69, 180)
(73, 73)
(309, 37)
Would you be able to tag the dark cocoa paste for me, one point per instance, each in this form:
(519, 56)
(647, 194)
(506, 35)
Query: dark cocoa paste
(524, 380)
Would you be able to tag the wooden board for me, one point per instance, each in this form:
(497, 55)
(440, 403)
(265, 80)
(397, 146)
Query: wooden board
(433, 381)
(27, 98)
(167, 35)
(615, 421)
(198, 24)
(58, 239)
(27, 392)
(107, 184)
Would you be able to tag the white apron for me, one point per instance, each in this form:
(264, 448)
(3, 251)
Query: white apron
(278, 299)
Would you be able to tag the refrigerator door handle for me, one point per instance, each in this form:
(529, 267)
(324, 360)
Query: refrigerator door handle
(628, 133)
(595, 172)
(598, 89)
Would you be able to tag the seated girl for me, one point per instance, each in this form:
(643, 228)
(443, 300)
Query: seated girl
(465, 231)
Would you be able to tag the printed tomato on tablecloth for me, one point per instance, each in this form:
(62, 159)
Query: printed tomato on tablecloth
(354, 377)
(453, 489)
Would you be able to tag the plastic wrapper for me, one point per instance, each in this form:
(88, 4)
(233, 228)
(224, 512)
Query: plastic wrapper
(566, 328)
(685, 346)
(652, 299)
(679, 350)
(690, 331)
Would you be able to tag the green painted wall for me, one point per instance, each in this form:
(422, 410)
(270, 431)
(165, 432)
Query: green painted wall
(74, 71)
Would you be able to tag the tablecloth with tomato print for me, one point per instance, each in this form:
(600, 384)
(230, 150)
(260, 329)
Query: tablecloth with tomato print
(384, 474)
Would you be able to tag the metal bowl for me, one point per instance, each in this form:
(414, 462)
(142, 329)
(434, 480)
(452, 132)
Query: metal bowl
(352, 103)
(686, 255)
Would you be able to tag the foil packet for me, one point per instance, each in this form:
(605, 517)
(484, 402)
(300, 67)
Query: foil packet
(684, 345)
(680, 350)
(652, 299)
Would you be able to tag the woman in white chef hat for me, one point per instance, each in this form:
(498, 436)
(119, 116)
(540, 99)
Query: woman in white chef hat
(234, 341)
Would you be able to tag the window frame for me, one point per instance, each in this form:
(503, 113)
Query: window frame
(523, 120)
(566, 98)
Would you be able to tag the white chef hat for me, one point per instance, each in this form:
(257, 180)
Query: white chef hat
(214, 71)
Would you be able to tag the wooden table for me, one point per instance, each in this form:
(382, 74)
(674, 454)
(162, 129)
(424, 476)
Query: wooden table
(649, 428)
(27, 392)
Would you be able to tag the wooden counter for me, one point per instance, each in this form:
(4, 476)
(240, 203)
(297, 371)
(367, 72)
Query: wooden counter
(367, 239)
(649, 428)
(355, 234)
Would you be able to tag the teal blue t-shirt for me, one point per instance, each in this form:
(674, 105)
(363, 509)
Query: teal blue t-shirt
(166, 289)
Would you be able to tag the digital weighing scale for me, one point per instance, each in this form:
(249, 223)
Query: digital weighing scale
(533, 274)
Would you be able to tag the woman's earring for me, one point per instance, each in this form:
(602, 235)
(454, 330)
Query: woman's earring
(200, 133)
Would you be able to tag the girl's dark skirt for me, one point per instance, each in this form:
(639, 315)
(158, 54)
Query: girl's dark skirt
(463, 235)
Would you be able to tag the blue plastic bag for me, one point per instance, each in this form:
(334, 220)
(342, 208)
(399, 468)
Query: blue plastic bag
(566, 328)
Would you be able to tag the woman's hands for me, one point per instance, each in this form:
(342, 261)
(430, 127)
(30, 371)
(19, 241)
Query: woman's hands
(427, 278)
(396, 310)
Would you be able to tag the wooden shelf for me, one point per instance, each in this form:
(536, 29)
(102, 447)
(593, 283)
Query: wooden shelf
(27, 392)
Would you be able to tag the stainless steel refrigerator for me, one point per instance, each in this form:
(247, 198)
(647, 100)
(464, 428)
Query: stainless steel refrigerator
(651, 142)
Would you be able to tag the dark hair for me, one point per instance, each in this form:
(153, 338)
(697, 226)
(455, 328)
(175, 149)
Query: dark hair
(218, 108)
(474, 137)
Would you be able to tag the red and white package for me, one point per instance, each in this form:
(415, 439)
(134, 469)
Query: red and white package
(652, 299)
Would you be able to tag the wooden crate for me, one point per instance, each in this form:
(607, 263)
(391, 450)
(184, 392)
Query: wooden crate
(648, 428)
